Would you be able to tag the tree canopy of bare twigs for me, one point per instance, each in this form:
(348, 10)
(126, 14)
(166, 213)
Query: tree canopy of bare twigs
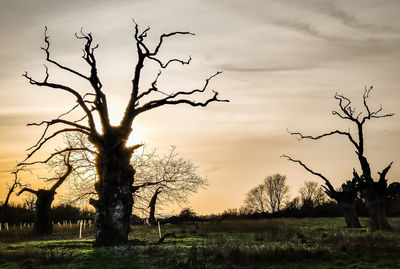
(311, 194)
(269, 196)
(172, 177)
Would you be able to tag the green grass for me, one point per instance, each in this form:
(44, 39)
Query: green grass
(268, 243)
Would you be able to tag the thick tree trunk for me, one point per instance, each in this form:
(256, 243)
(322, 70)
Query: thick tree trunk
(350, 214)
(152, 205)
(377, 210)
(43, 225)
(114, 188)
(375, 197)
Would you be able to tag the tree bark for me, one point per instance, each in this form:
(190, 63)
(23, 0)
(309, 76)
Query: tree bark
(114, 189)
(350, 213)
(43, 225)
(375, 202)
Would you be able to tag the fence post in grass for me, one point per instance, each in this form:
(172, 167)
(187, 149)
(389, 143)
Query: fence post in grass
(159, 229)
(80, 229)
(6, 226)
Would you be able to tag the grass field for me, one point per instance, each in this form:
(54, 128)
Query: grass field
(267, 243)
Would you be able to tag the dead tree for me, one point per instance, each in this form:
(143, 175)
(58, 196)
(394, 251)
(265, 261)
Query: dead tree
(372, 192)
(114, 186)
(346, 198)
(44, 199)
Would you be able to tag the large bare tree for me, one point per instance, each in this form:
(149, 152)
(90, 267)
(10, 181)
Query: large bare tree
(373, 192)
(114, 186)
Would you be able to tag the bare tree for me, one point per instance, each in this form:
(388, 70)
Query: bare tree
(114, 186)
(256, 199)
(372, 192)
(44, 199)
(277, 191)
(268, 196)
(311, 194)
(165, 179)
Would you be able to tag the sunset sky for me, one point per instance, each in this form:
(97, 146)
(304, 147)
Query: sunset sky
(282, 63)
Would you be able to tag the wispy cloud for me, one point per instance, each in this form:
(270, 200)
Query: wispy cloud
(242, 68)
(345, 17)
(306, 28)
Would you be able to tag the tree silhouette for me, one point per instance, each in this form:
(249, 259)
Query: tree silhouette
(164, 180)
(44, 199)
(159, 179)
(114, 186)
(311, 195)
(268, 196)
(16, 183)
(346, 198)
(373, 192)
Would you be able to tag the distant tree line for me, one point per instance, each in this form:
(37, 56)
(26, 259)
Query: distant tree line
(16, 214)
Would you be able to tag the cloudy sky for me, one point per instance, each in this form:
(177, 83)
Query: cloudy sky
(282, 63)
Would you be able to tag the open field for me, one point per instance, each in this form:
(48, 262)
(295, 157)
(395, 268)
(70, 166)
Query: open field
(267, 243)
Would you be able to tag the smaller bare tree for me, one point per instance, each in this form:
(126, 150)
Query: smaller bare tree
(164, 180)
(44, 199)
(256, 200)
(268, 196)
(311, 194)
(277, 191)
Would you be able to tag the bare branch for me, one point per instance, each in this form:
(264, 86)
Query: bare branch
(165, 36)
(49, 138)
(47, 51)
(169, 100)
(62, 178)
(57, 153)
(26, 190)
(52, 122)
(165, 65)
(382, 175)
(327, 182)
(79, 98)
(301, 136)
